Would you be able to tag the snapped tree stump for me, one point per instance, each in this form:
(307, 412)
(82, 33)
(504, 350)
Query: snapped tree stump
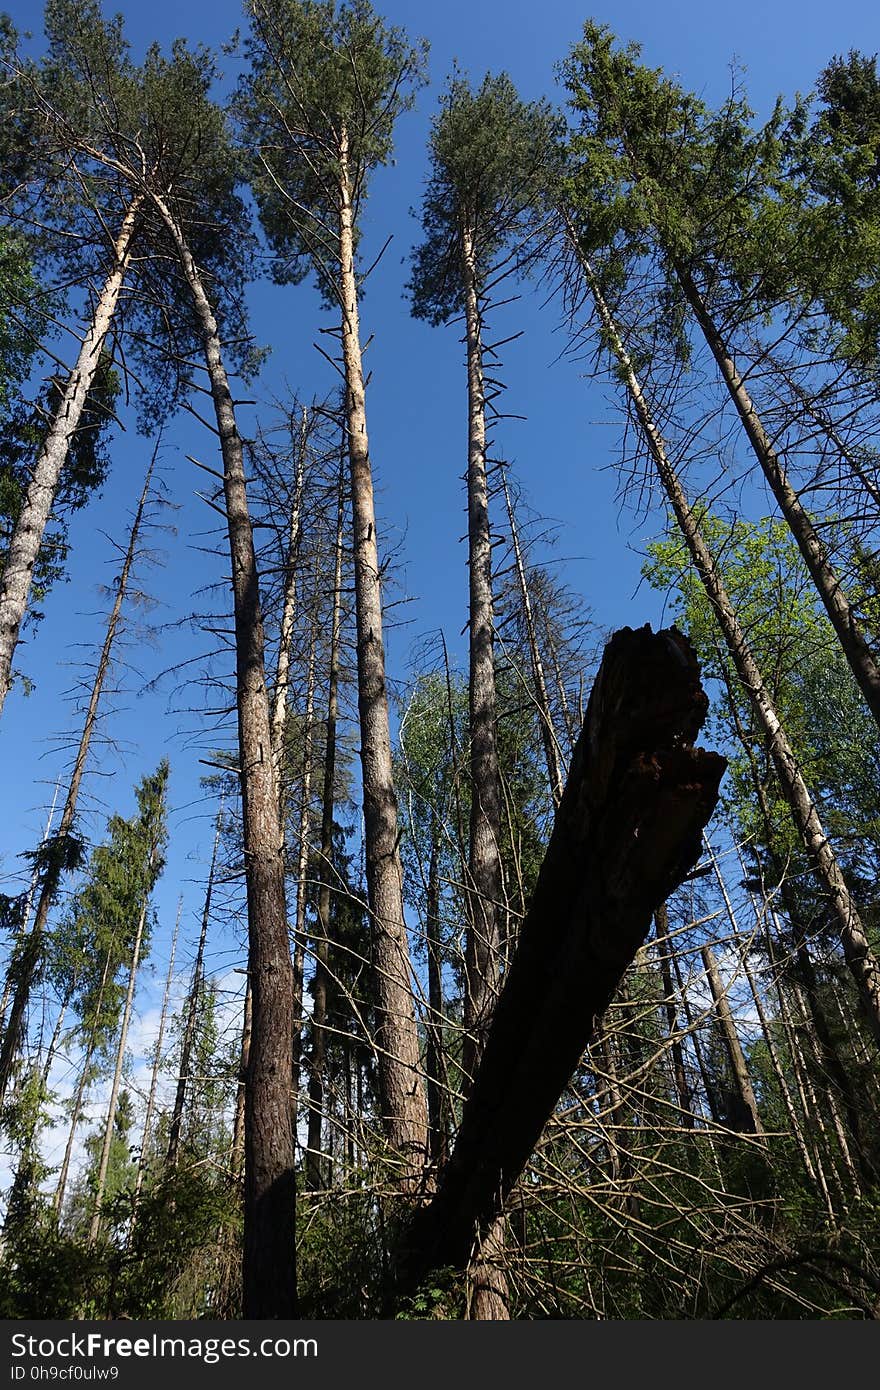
(627, 832)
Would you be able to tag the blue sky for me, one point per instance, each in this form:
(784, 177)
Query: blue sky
(561, 453)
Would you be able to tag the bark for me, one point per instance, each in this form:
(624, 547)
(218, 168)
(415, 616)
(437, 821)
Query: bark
(302, 868)
(860, 958)
(27, 537)
(483, 941)
(705, 1079)
(549, 740)
(281, 688)
(317, 1060)
(103, 1163)
(837, 605)
(794, 1120)
(626, 833)
(192, 1013)
(268, 1270)
(401, 1094)
(237, 1156)
(157, 1059)
(23, 969)
(489, 1293)
(609, 1112)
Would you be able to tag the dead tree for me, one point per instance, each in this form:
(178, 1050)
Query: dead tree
(61, 849)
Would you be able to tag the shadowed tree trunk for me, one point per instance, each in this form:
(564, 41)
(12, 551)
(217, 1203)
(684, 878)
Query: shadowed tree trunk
(664, 948)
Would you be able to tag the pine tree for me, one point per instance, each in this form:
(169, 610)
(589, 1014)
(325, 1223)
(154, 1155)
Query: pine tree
(318, 106)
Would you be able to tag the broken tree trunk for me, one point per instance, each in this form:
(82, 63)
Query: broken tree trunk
(626, 833)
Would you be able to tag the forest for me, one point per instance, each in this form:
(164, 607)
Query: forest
(514, 965)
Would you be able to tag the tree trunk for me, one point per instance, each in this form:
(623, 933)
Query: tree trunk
(401, 1094)
(857, 951)
(192, 1011)
(269, 1270)
(303, 854)
(626, 833)
(27, 537)
(237, 1156)
(23, 970)
(548, 733)
(95, 1226)
(281, 688)
(317, 1060)
(438, 1091)
(157, 1059)
(483, 942)
(838, 607)
(794, 1120)
(58, 1198)
(708, 1089)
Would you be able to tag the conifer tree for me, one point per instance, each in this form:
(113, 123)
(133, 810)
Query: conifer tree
(489, 155)
(318, 106)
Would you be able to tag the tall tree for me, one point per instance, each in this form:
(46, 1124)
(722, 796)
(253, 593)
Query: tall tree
(325, 87)
(489, 152)
(198, 226)
(665, 170)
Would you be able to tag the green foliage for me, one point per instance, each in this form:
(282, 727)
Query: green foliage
(835, 739)
(82, 478)
(326, 85)
(343, 1256)
(95, 937)
(152, 125)
(494, 157)
(176, 1259)
(832, 240)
